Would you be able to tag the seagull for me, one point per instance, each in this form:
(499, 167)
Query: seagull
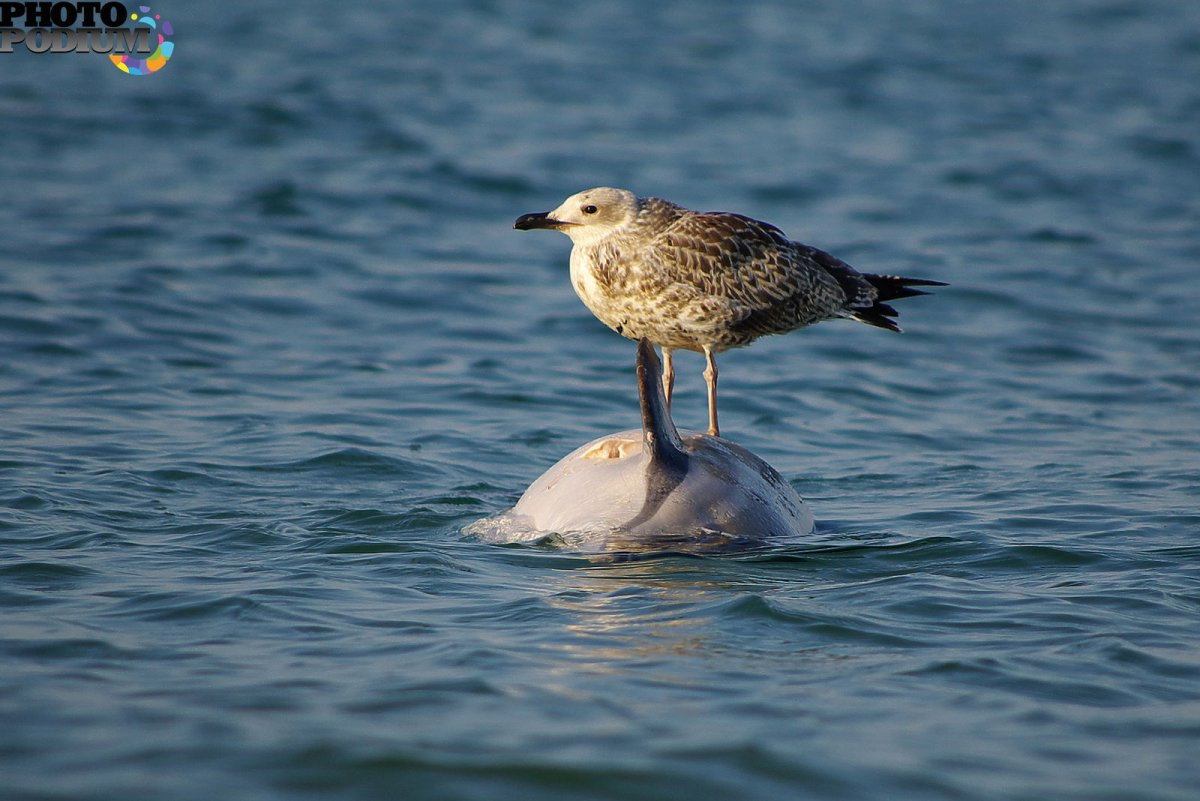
(706, 281)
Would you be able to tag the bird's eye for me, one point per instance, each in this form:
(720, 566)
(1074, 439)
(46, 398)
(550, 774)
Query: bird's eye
(590, 209)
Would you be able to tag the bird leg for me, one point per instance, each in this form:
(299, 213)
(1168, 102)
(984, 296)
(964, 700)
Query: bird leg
(668, 376)
(710, 378)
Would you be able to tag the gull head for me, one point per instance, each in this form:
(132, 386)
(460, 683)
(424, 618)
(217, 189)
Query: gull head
(588, 216)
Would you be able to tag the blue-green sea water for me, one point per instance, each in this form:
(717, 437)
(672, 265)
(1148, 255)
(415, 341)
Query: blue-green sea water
(268, 343)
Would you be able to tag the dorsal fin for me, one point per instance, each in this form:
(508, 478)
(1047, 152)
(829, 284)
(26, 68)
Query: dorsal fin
(666, 460)
(660, 439)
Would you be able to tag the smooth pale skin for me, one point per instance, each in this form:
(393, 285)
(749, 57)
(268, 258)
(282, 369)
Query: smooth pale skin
(653, 488)
(727, 490)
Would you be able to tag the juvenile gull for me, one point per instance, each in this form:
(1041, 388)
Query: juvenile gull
(706, 281)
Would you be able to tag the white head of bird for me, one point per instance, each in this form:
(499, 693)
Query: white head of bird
(589, 216)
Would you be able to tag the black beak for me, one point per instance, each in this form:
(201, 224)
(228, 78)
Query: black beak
(542, 219)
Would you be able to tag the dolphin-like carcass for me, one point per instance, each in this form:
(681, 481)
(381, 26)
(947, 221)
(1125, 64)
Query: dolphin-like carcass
(655, 489)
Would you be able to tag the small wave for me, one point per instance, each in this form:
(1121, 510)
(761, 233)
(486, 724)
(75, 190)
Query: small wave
(355, 460)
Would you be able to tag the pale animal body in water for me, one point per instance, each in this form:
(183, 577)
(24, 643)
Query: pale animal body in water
(706, 281)
(654, 489)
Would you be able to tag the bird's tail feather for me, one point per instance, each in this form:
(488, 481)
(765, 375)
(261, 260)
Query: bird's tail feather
(890, 287)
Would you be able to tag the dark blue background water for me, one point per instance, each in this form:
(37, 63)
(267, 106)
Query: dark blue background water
(268, 342)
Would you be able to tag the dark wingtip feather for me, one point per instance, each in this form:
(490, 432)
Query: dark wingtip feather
(890, 287)
(878, 315)
(894, 287)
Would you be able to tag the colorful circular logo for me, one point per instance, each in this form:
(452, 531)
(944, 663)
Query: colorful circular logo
(127, 62)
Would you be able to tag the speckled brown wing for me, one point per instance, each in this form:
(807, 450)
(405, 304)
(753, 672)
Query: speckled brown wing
(761, 282)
